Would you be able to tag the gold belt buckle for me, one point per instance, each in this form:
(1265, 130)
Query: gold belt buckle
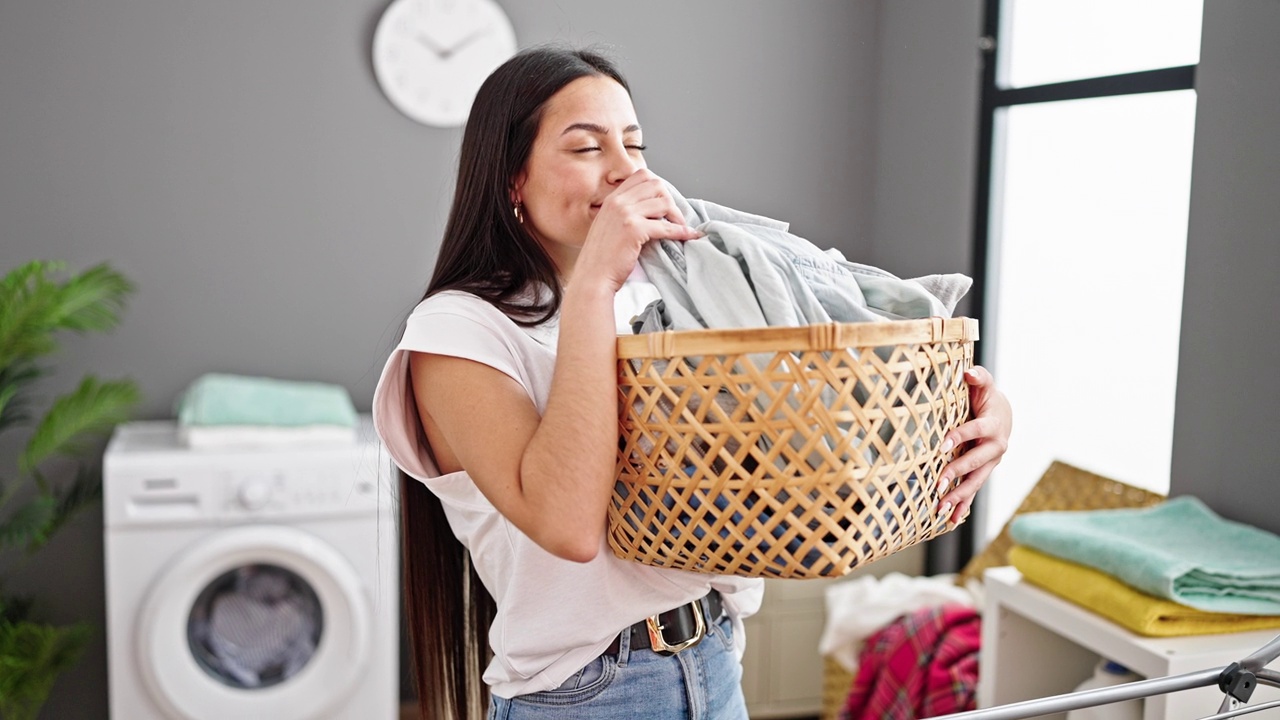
(660, 645)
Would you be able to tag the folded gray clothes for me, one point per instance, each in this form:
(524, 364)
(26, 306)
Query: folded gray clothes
(750, 271)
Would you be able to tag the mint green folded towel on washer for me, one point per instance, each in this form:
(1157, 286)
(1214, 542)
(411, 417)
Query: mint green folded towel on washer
(219, 400)
(1179, 550)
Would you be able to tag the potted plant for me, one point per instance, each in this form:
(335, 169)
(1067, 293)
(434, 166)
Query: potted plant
(37, 301)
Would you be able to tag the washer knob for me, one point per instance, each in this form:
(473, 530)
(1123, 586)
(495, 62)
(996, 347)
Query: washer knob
(254, 494)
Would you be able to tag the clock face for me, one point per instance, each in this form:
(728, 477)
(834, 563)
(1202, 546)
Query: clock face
(430, 56)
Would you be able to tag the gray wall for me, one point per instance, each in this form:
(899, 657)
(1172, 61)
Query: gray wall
(1227, 416)
(237, 160)
(926, 131)
(927, 94)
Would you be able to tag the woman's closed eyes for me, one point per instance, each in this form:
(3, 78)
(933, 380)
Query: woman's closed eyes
(640, 148)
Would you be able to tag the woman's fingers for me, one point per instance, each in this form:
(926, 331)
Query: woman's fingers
(982, 388)
(971, 460)
(639, 209)
(663, 230)
(655, 210)
(974, 467)
(974, 429)
(643, 185)
(988, 437)
(956, 504)
(648, 208)
(978, 375)
(983, 399)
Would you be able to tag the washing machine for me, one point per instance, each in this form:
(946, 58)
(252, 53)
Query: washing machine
(249, 583)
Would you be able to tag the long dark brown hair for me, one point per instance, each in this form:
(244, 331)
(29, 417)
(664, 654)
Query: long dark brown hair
(485, 251)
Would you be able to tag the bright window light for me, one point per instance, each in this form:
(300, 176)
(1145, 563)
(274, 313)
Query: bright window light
(1050, 41)
(1086, 268)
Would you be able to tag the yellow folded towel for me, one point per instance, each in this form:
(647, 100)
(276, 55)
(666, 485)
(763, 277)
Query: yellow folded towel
(1135, 610)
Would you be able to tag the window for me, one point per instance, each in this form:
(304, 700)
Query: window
(1050, 41)
(1088, 122)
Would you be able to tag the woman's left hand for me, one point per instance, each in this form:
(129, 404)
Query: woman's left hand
(988, 433)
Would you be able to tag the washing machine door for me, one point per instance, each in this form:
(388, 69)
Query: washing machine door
(255, 622)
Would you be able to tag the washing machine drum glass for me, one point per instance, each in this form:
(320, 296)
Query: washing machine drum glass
(255, 626)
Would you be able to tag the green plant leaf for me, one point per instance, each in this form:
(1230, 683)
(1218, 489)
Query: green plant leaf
(29, 524)
(92, 300)
(32, 655)
(33, 306)
(94, 407)
(14, 381)
(37, 300)
(86, 490)
(26, 301)
(23, 275)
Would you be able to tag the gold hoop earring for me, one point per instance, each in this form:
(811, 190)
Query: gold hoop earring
(518, 210)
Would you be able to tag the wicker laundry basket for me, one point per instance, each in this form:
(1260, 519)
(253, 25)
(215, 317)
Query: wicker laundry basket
(785, 452)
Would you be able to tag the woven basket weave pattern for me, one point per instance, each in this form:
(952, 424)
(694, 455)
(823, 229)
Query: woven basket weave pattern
(806, 454)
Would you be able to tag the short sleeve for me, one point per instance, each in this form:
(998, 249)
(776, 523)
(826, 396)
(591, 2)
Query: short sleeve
(464, 334)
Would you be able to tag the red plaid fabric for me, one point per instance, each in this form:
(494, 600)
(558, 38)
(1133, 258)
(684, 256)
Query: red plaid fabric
(921, 665)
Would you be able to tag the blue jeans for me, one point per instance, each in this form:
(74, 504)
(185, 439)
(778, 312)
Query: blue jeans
(703, 682)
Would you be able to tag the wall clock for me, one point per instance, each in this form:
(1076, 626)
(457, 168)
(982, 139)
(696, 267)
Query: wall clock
(430, 56)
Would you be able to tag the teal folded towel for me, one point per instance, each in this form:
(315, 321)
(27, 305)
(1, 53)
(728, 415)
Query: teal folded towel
(1178, 550)
(220, 400)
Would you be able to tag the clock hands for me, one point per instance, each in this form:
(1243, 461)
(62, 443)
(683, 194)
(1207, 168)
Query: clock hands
(444, 53)
(435, 49)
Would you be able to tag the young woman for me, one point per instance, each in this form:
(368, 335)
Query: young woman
(500, 407)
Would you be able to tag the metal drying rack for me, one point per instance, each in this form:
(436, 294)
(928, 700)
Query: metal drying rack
(1237, 682)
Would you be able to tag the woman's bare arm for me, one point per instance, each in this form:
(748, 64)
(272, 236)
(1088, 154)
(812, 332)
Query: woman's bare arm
(550, 475)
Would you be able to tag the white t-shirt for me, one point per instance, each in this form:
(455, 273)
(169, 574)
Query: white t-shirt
(554, 615)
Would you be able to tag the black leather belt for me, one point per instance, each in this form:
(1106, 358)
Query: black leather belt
(674, 630)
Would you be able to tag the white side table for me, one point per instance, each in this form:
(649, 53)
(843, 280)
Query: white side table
(1036, 644)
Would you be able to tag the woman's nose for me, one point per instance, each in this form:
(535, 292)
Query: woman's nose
(622, 165)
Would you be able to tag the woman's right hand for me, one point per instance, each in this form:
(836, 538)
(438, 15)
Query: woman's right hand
(567, 459)
(640, 209)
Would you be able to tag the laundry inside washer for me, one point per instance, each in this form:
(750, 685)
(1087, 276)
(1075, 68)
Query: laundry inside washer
(255, 626)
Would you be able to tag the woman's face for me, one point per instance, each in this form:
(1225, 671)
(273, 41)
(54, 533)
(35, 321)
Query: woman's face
(588, 142)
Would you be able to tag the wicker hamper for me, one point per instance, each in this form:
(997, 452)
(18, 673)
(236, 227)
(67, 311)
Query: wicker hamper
(785, 452)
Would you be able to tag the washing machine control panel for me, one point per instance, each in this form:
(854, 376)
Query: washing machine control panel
(169, 485)
(298, 490)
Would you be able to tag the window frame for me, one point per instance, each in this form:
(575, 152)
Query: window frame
(992, 99)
